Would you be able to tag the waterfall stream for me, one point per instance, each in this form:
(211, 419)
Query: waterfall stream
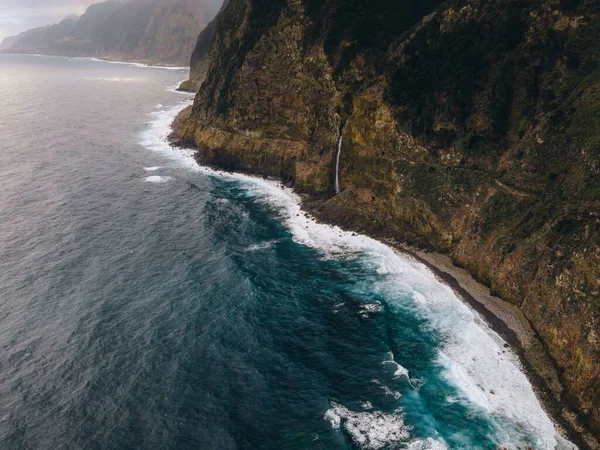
(337, 165)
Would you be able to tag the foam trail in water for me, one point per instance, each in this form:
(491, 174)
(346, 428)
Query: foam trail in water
(157, 131)
(262, 245)
(106, 61)
(133, 64)
(426, 444)
(371, 430)
(151, 169)
(113, 79)
(157, 179)
(472, 355)
(400, 370)
(369, 308)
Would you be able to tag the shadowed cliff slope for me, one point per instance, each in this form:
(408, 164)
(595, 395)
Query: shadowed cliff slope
(199, 59)
(470, 127)
(152, 31)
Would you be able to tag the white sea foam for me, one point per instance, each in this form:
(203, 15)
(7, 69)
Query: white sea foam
(262, 245)
(156, 134)
(114, 79)
(400, 370)
(133, 64)
(151, 169)
(472, 355)
(387, 391)
(369, 308)
(426, 444)
(369, 430)
(106, 61)
(159, 106)
(157, 179)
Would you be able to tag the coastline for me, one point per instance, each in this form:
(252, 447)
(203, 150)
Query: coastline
(139, 63)
(509, 322)
(502, 317)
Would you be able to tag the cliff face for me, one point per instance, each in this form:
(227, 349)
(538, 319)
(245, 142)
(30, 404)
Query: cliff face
(8, 42)
(199, 59)
(471, 127)
(153, 31)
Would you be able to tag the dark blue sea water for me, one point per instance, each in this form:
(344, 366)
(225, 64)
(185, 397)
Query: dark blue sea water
(146, 303)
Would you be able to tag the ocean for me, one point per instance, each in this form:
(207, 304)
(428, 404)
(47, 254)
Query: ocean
(149, 303)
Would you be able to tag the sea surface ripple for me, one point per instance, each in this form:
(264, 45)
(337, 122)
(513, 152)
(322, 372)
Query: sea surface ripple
(146, 302)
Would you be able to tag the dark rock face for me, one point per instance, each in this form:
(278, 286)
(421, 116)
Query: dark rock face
(472, 127)
(151, 31)
(199, 60)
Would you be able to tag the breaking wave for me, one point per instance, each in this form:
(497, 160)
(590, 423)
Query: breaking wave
(472, 356)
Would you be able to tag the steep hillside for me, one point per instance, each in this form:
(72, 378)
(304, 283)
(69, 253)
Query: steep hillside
(469, 127)
(8, 42)
(153, 31)
(199, 60)
(70, 37)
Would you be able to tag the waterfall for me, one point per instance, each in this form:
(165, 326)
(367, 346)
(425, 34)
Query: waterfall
(337, 164)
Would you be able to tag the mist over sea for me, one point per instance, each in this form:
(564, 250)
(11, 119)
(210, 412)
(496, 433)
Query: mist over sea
(149, 303)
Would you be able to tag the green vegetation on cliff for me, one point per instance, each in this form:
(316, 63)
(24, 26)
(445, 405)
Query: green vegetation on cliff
(470, 127)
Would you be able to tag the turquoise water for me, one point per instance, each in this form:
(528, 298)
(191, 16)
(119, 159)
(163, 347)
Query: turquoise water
(148, 303)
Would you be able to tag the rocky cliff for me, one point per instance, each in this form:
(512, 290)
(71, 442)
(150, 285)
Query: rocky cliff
(469, 127)
(199, 59)
(150, 31)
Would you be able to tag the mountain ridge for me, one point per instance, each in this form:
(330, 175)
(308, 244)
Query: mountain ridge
(149, 31)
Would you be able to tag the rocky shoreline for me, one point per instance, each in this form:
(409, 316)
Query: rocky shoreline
(504, 318)
(510, 323)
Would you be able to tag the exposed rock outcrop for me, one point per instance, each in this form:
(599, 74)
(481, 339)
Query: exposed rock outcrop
(472, 128)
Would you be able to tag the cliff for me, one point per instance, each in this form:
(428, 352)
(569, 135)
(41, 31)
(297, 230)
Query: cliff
(150, 31)
(199, 59)
(467, 127)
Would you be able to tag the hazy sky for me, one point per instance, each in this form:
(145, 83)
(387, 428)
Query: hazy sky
(21, 15)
